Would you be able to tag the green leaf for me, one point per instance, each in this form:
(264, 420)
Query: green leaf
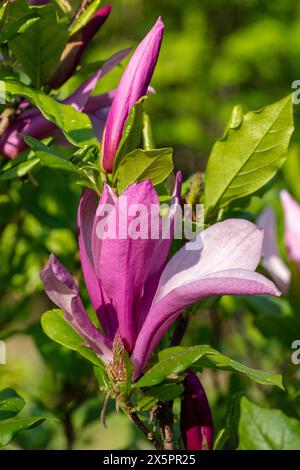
(75, 125)
(131, 135)
(10, 427)
(252, 149)
(19, 170)
(17, 27)
(101, 377)
(85, 17)
(167, 391)
(231, 421)
(50, 158)
(59, 330)
(40, 47)
(140, 165)
(2, 10)
(10, 403)
(175, 360)
(265, 429)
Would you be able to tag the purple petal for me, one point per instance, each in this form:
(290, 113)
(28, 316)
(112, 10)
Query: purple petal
(133, 85)
(86, 214)
(224, 264)
(74, 50)
(272, 261)
(195, 417)
(79, 99)
(89, 31)
(121, 262)
(62, 290)
(39, 2)
(30, 122)
(158, 258)
(291, 209)
(99, 102)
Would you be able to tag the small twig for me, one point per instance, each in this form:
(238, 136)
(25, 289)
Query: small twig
(148, 434)
(179, 331)
(164, 416)
(216, 326)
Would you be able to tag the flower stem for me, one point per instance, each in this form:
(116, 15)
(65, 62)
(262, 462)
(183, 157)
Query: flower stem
(141, 426)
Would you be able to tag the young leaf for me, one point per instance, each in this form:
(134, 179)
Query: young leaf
(75, 125)
(175, 360)
(59, 330)
(131, 134)
(40, 47)
(265, 429)
(252, 149)
(10, 403)
(140, 165)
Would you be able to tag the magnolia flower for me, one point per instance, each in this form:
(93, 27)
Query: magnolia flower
(272, 260)
(76, 47)
(136, 293)
(32, 122)
(195, 418)
(133, 85)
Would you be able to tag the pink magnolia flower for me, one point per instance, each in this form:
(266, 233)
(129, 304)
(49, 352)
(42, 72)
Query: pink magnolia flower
(272, 259)
(32, 122)
(133, 85)
(136, 293)
(195, 418)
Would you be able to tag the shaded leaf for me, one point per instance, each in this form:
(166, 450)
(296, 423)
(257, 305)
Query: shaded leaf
(10, 403)
(10, 427)
(265, 429)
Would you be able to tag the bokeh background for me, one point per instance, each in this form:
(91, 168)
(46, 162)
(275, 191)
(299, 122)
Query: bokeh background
(215, 54)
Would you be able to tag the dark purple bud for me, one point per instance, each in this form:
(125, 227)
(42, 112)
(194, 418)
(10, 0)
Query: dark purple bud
(195, 418)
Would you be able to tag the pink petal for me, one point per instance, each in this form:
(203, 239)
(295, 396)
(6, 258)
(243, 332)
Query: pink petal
(272, 261)
(86, 215)
(157, 259)
(133, 85)
(62, 290)
(291, 209)
(122, 263)
(82, 95)
(224, 265)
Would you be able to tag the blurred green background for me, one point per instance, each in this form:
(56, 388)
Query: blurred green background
(215, 54)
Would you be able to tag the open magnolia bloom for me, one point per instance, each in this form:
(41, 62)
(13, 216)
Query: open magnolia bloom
(31, 121)
(272, 259)
(136, 293)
